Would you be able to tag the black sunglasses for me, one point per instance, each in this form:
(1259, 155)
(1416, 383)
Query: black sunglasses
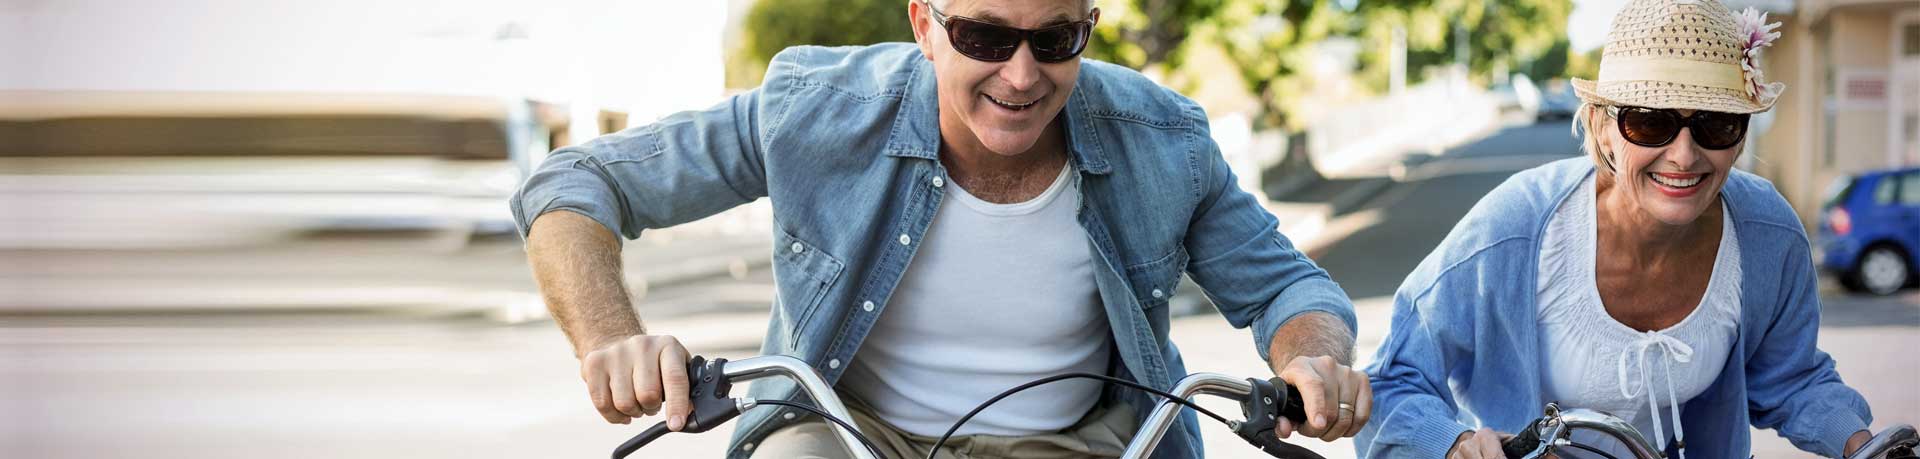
(1657, 127)
(986, 41)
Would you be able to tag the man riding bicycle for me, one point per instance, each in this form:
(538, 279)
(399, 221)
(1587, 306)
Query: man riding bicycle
(952, 217)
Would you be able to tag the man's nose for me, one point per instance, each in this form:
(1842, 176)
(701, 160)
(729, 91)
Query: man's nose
(1022, 71)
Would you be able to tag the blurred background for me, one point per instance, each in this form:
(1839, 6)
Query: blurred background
(236, 228)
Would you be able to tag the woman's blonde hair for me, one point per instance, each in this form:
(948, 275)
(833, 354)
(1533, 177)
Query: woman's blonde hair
(1587, 127)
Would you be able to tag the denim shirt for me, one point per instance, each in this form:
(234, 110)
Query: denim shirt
(844, 142)
(1464, 349)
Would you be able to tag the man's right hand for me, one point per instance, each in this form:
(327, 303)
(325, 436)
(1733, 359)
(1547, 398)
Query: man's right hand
(638, 376)
(1479, 444)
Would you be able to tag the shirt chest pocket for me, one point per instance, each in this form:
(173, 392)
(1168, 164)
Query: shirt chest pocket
(804, 274)
(1153, 282)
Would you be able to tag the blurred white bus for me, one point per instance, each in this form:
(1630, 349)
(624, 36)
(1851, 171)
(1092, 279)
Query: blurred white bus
(223, 154)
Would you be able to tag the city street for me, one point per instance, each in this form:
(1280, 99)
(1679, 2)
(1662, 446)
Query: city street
(297, 383)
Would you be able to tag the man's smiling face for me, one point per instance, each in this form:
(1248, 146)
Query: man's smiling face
(1005, 106)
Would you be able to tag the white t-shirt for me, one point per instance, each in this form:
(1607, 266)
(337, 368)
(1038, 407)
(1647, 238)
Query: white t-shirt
(1593, 361)
(998, 295)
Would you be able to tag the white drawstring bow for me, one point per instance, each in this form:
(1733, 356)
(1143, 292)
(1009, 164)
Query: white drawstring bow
(1676, 351)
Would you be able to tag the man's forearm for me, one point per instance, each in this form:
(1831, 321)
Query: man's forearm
(576, 263)
(1311, 334)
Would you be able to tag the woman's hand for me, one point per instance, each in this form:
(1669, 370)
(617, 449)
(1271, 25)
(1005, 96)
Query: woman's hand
(1479, 444)
(1856, 441)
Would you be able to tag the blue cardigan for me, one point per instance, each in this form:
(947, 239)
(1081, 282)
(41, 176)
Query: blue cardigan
(1463, 351)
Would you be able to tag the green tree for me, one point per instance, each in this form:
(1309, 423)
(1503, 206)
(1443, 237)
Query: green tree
(1553, 63)
(1584, 65)
(1509, 34)
(1270, 43)
(774, 25)
(1144, 33)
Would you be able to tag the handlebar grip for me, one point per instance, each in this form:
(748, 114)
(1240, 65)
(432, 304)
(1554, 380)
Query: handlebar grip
(707, 388)
(1517, 446)
(1294, 409)
(1270, 400)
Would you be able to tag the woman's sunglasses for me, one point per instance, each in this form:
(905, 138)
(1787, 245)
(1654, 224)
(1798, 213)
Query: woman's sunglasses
(991, 42)
(1657, 127)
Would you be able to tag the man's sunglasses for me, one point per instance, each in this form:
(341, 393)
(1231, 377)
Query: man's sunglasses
(991, 42)
(1657, 127)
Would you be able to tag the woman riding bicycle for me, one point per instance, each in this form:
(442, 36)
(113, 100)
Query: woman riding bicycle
(1651, 280)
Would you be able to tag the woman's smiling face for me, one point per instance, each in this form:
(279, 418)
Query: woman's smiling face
(1675, 183)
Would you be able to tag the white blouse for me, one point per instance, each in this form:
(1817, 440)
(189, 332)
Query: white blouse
(1595, 362)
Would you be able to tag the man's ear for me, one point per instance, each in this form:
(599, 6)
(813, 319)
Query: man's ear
(922, 24)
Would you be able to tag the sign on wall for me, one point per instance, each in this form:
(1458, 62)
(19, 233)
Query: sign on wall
(1859, 89)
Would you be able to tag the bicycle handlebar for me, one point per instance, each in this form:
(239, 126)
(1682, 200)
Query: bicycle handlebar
(1277, 399)
(1897, 442)
(711, 381)
(1262, 402)
(1551, 431)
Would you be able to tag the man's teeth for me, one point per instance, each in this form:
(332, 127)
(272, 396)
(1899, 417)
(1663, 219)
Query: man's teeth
(1677, 183)
(1011, 105)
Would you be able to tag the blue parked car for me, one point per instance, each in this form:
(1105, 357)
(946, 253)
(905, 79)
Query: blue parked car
(1870, 230)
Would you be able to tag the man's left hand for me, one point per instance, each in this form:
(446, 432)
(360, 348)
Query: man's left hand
(1338, 399)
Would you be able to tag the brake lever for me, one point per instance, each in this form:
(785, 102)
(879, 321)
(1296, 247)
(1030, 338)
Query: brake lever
(1271, 400)
(708, 389)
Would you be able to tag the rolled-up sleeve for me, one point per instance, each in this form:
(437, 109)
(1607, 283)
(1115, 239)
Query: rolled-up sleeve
(1251, 272)
(684, 167)
(1413, 406)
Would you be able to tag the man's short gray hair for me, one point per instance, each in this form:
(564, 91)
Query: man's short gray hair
(1085, 5)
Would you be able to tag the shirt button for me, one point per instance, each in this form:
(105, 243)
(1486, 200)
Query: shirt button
(835, 363)
(788, 416)
(1157, 293)
(797, 248)
(746, 447)
(939, 182)
(867, 306)
(905, 240)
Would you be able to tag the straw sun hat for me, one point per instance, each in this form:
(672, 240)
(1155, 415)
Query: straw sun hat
(1687, 54)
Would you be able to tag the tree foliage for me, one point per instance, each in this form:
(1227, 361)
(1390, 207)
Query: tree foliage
(774, 25)
(1510, 34)
(1270, 43)
(1143, 33)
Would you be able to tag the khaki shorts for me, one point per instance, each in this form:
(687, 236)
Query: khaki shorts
(1102, 433)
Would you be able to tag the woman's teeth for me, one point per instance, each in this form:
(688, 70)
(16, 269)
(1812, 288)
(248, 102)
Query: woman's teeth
(1011, 105)
(1677, 183)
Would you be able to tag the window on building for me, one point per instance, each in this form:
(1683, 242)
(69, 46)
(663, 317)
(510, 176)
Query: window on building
(1912, 39)
(1911, 125)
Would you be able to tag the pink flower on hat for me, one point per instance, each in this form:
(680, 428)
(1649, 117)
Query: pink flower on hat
(1757, 33)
